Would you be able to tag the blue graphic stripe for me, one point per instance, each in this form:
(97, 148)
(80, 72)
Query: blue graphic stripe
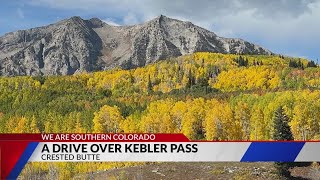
(272, 151)
(23, 160)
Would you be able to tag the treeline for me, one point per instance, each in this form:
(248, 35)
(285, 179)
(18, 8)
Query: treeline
(241, 117)
(44, 101)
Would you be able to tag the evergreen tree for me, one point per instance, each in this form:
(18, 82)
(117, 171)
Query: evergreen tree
(191, 80)
(281, 128)
(300, 65)
(179, 74)
(149, 84)
(290, 63)
(311, 64)
(246, 62)
(282, 132)
(241, 61)
(294, 64)
(131, 78)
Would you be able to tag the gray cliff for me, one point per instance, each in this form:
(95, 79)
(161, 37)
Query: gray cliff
(76, 45)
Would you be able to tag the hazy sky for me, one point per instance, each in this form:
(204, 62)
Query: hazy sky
(290, 27)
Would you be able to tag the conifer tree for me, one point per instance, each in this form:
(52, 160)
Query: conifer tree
(202, 62)
(190, 80)
(246, 63)
(149, 84)
(311, 64)
(281, 128)
(282, 132)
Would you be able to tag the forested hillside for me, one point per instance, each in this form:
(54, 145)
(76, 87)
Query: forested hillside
(206, 96)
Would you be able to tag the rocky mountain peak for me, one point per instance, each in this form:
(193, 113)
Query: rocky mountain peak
(155, 22)
(76, 45)
(96, 23)
(162, 18)
(74, 19)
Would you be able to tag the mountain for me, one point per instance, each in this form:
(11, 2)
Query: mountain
(76, 45)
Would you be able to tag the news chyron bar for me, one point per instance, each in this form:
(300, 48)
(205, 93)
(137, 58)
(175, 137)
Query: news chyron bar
(19, 149)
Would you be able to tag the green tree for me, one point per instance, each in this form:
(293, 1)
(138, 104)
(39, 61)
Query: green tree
(282, 132)
(282, 129)
(191, 80)
(149, 84)
(311, 64)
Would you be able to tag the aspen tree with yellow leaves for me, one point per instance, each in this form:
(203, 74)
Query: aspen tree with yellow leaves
(107, 120)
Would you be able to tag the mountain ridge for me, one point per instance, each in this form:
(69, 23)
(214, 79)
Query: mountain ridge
(76, 45)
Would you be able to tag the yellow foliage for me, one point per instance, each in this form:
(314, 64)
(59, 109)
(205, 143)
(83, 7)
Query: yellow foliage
(107, 120)
(260, 77)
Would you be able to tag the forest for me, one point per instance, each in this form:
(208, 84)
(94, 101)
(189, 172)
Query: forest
(206, 96)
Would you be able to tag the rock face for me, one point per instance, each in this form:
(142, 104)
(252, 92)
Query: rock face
(76, 45)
